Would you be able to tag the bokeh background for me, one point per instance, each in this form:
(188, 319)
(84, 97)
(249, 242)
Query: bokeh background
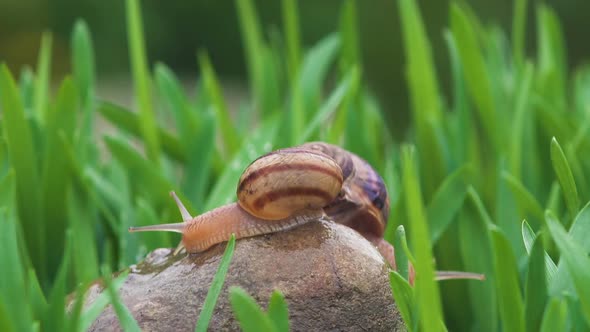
(175, 30)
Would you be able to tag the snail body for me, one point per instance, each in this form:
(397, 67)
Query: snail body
(289, 187)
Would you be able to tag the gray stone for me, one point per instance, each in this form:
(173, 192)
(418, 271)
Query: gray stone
(331, 277)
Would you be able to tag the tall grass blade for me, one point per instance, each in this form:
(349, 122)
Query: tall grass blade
(576, 261)
(292, 38)
(427, 292)
(403, 294)
(535, 296)
(566, 178)
(555, 316)
(128, 323)
(507, 283)
(424, 92)
(228, 132)
(141, 80)
(21, 152)
(43, 77)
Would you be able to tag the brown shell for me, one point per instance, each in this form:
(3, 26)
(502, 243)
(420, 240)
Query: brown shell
(288, 181)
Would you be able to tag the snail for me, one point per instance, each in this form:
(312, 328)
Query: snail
(289, 187)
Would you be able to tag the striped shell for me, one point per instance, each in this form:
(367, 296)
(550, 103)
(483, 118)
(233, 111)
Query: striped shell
(313, 176)
(286, 182)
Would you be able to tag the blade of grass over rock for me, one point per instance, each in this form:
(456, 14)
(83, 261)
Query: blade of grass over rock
(507, 283)
(248, 313)
(474, 69)
(424, 93)
(42, 77)
(290, 12)
(128, 323)
(447, 201)
(21, 151)
(278, 311)
(428, 296)
(216, 285)
(576, 260)
(228, 132)
(91, 313)
(535, 296)
(529, 237)
(141, 80)
(555, 316)
(566, 178)
(130, 122)
(403, 294)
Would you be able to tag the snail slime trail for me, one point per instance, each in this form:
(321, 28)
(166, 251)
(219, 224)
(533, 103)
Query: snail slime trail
(289, 187)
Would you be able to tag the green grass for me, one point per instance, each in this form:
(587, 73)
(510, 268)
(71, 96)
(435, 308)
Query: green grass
(492, 178)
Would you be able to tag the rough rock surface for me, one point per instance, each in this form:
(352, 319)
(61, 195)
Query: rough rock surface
(332, 279)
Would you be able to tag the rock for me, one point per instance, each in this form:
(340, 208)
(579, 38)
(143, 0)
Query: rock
(331, 277)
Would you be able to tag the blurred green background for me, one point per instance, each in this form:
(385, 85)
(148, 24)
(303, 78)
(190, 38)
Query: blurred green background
(175, 30)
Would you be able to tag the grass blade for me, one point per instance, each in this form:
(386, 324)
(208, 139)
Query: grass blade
(128, 323)
(248, 313)
(529, 238)
(330, 105)
(477, 255)
(535, 296)
(555, 316)
(314, 69)
(292, 38)
(476, 77)
(130, 122)
(424, 92)
(576, 260)
(60, 122)
(21, 151)
(227, 129)
(447, 201)
(43, 74)
(101, 301)
(526, 201)
(216, 285)
(566, 178)
(254, 48)
(403, 294)
(278, 311)
(507, 283)
(141, 80)
(12, 285)
(401, 260)
(518, 31)
(427, 292)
